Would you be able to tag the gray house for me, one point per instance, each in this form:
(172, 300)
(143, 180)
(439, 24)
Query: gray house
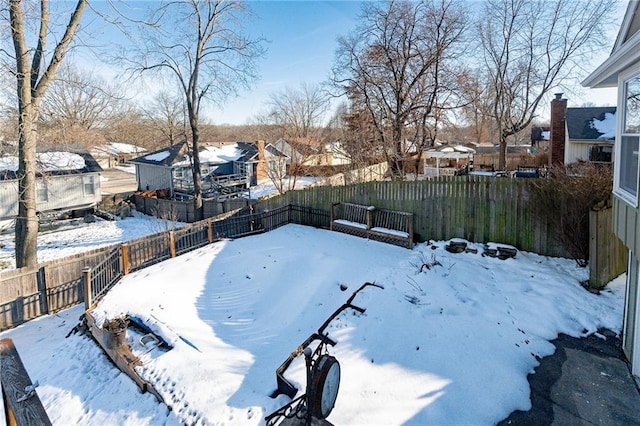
(622, 70)
(67, 181)
(238, 165)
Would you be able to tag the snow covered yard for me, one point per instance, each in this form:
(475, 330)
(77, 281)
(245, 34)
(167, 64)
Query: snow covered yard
(75, 236)
(447, 343)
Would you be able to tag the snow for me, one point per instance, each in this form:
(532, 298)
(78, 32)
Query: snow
(390, 231)
(267, 187)
(75, 236)
(221, 155)
(157, 156)
(449, 340)
(115, 148)
(606, 126)
(351, 223)
(47, 161)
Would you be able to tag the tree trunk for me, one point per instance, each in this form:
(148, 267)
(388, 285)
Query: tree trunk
(197, 178)
(502, 160)
(26, 230)
(397, 172)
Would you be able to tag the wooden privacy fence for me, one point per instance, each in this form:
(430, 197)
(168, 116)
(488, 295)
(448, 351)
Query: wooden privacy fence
(27, 293)
(607, 254)
(184, 211)
(477, 208)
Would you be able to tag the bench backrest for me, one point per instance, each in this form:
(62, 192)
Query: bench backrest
(353, 213)
(390, 219)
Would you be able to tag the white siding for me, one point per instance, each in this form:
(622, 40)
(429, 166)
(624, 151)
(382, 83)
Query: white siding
(8, 198)
(63, 193)
(578, 151)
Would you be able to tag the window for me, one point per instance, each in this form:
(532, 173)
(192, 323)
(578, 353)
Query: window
(626, 177)
(42, 193)
(600, 154)
(88, 182)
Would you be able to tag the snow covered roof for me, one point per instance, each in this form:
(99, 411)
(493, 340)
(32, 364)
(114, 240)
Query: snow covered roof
(593, 123)
(116, 148)
(52, 162)
(179, 154)
(164, 157)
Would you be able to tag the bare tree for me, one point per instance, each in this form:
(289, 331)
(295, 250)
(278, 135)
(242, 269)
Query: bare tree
(168, 115)
(395, 67)
(473, 120)
(79, 98)
(299, 114)
(199, 44)
(531, 47)
(78, 106)
(34, 69)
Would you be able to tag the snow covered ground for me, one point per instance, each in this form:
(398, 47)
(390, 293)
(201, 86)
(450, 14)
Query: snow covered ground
(75, 236)
(449, 343)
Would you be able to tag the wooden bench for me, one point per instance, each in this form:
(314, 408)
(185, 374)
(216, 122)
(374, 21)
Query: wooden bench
(373, 223)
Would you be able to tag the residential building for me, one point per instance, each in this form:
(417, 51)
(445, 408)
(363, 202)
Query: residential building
(622, 70)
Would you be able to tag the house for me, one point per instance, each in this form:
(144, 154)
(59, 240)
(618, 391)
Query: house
(622, 70)
(66, 181)
(234, 166)
(540, 137)
(581, 134)
(113, 154)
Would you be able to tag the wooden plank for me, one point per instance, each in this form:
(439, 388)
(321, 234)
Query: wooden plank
(21, 408)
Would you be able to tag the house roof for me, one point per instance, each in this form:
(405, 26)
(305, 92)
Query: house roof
(593, 123)
(540, 133)
(116, 148)
(164, 157)
(178, 154)
(251, 151)
(624, 53)
(53, 160)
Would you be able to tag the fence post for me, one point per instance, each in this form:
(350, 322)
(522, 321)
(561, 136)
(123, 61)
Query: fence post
(125, 258)
(41, 278)
(172, 243)
(210, 230)
(86, 280)
(370, 211)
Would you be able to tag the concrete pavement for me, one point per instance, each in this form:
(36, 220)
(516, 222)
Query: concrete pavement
(585, 382)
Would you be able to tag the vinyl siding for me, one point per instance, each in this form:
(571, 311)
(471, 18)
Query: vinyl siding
(63, 192)
(626, 224)
(579, 151)
(152, 177)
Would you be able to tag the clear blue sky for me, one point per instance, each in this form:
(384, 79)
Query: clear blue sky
(301, 43)
(302, 39)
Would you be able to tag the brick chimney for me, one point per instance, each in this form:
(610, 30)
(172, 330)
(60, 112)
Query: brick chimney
(558, 130)
(261, 168)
